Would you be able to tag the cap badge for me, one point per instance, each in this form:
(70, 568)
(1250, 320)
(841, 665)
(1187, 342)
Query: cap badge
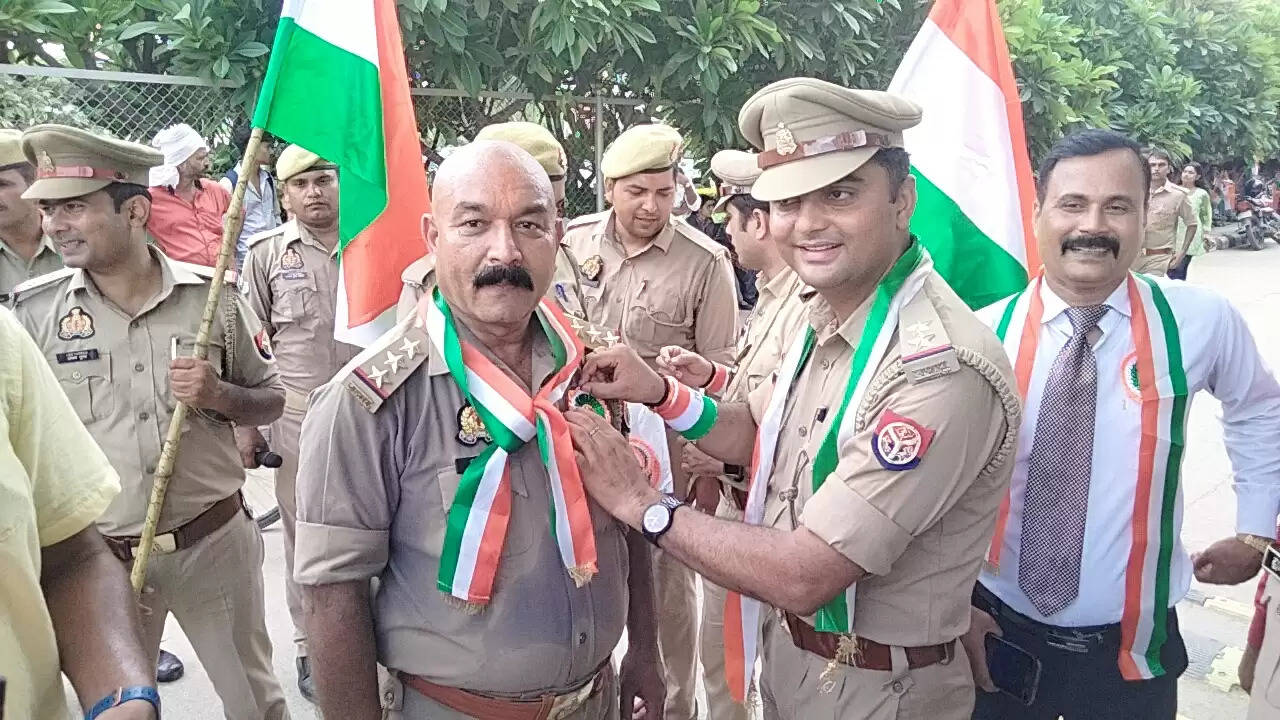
(786, 141)
(45, 162)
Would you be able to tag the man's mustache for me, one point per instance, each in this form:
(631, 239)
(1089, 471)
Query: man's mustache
(513, 275)
(1089, 242)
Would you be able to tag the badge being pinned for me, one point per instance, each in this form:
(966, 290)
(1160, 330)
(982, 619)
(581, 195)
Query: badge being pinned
(899, 442)
(471, 429)
(1129, 377)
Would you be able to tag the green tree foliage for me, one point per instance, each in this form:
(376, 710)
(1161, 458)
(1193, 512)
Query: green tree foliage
(1198, 77)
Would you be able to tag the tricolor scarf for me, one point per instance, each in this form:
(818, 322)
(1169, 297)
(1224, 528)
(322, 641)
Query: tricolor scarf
(742, 614)
(477, 522)
(1162, 388)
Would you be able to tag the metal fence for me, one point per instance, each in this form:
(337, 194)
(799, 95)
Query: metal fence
(135, 106)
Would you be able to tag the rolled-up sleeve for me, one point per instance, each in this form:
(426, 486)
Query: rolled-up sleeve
(347, 488)
(1250, 397)
(870, 511)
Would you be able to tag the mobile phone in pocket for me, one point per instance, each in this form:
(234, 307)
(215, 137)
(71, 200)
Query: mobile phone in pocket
(1014, 671)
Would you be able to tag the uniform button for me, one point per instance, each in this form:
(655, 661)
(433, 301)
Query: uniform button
(826, 364)
(617, 300)
(897, 686)
(143, 416)
(76, 375)
(582, 638)
(138, 367)
(803, 432)
(134, 324)
(151, 469)
(389, 697)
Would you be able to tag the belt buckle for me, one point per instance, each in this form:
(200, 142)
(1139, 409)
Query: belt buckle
(165, 544)
(1070, 641)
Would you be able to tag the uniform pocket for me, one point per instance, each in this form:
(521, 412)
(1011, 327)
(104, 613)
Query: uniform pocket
(294, 292)
(655, 319)
(86, 384)
(519, 530)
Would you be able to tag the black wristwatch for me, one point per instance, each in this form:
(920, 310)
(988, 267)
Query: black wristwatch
(656, 520)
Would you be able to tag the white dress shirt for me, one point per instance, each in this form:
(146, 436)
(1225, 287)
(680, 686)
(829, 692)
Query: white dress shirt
(1219, 355)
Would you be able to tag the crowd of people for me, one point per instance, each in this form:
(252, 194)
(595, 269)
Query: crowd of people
(896, 507)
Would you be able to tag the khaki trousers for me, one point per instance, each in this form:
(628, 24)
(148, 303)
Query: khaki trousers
(677, 605)
(1264, 700)
(1152, 264)
(791, 688)
(214, 589)
(285, 433)
(404, 703)
(720, 706)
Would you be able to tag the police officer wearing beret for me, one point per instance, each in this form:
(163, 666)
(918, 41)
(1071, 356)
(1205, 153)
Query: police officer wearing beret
(290, 278)
(882, 446)
(658, 281)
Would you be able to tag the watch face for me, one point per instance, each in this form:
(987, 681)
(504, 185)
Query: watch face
(655, 518)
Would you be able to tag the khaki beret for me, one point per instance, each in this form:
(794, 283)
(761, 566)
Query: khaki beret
(11, 148)
(71, 162)
(533, 139)
(642, 148)
(294, 160)
(737, 171)
(811, 133)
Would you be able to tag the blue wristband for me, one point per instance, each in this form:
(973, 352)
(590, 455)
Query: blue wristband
(124, 695)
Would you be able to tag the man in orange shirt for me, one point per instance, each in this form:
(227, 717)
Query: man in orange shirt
(186, 210)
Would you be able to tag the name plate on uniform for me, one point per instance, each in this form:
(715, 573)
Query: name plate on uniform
(78, 356)
(1271, 561)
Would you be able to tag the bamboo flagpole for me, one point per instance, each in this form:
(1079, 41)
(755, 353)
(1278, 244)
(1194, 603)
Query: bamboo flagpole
(164, 469)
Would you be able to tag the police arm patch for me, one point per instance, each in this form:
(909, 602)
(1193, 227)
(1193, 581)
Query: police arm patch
(899, 442)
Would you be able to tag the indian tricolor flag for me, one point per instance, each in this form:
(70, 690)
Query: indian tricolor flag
(337, 86)
(969, 153)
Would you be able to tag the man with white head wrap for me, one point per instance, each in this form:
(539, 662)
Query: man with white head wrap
(186, 211)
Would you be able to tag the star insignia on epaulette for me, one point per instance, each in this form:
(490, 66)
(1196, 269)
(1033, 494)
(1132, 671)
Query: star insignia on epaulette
(393, 361)
(920, 335)
(376, 374)
(410, 348)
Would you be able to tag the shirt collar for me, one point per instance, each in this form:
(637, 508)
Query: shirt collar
(301, 233)
(1054, 306)
(825, 323)
(1167, 187)
(46, 245)
(172, 274)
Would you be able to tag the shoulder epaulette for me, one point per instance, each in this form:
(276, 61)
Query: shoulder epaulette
(376, 373)
(697, 237)
(203, 271)
(584, 220)
(926, 348)
(267, 234)
(41, 282)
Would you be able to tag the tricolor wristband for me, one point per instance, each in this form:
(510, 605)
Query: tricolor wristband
(720, 377)
(688, 412)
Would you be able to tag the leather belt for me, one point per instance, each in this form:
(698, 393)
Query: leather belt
(870, 654)
(546, 707)
(1157, 251)
(186, 535)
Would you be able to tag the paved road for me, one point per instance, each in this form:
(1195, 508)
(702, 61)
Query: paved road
(1214, 618)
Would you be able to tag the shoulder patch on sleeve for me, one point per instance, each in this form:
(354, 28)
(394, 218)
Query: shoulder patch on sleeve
(926, 348)
(373, 375)
(42, 282)
(899, 442)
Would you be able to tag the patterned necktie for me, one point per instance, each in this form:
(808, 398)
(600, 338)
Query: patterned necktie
(1058, 472)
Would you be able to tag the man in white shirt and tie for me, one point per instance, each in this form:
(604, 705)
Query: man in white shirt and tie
(1086, 565)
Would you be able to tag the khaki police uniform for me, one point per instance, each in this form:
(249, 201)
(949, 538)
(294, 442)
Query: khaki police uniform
(290, 280)
(770, 328)
(418, 278)
(15, 269)
(382, 514)
(1166, 205)
(207, 566)
(919, 530)
(678, 290)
